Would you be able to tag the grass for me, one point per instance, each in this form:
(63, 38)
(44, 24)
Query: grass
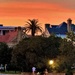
(10, 72)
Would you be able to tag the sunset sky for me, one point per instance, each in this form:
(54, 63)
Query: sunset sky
(16, 12)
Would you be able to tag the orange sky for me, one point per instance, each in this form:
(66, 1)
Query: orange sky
(16, 13)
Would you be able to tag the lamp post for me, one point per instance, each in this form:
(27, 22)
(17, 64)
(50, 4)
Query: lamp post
(51, 62)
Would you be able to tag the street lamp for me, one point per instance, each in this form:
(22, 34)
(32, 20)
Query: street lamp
(51, 62)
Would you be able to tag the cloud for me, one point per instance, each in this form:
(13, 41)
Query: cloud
(51, 1)
(70, 4)
(53, 11)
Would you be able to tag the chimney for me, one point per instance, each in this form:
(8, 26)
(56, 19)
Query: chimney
(19, 36)
(69, 22)
(47, 25)
(1, 24)
(16, 29)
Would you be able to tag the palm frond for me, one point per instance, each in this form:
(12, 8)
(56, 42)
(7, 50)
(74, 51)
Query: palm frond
(39, 29)
(33, 25)
(27, 30)
(28, 24)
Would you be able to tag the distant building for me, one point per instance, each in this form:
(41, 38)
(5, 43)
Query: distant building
(11, 35)
(5, 29)
(59, 30)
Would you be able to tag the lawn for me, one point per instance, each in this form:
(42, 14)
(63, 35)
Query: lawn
(10, 72)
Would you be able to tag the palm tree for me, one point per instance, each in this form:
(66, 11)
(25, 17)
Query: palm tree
(33, 26)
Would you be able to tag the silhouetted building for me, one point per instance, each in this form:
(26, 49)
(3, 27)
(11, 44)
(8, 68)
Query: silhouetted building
(59, 30)
(11, 35)
(5, 29)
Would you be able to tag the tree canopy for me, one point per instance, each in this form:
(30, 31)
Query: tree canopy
(35, 51)
(67, 56)
(71, 36)
(5, 53)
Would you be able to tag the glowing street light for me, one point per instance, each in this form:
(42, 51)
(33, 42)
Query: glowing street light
(51, 62)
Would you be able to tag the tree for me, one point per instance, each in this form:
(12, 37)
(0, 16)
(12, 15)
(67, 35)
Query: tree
(71, 36)
(5, 53)
(26, 53)
(67, 56)
(33, 25)
(35, 51)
